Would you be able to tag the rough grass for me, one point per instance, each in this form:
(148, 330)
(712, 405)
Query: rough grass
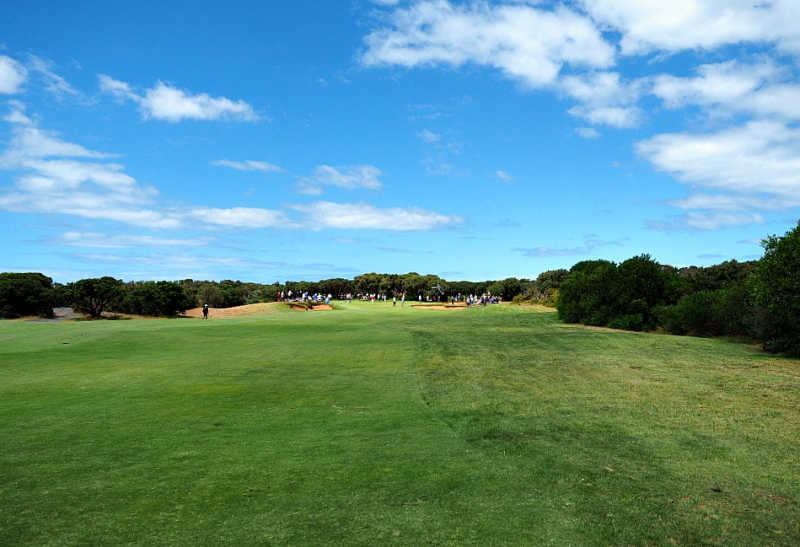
(374, 424)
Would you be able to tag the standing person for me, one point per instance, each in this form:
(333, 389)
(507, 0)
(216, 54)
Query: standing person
(205, 311)
(402, 300)
(394, 301)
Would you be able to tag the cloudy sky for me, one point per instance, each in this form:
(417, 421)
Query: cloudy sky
(285, 140)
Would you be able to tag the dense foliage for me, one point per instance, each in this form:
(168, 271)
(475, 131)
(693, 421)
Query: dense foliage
(158, 298)
(777, 292)
(757, 299)
(95, 295)
(24, 294)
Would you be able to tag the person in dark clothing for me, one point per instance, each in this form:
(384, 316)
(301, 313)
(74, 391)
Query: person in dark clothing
(205, 311)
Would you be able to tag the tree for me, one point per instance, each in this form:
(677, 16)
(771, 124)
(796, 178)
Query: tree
(95, 295)
(643, 285)
(508, 288)
(157, 298)
(590, 293)
(25, 294)
(777, 292)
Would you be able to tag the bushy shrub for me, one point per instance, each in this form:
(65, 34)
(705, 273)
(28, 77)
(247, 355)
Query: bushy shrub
(590, 294)
(156, 298)
(777, 291)
(630, 321)
(721, 312)
(25, 294)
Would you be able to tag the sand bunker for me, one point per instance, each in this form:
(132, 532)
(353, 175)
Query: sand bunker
(315, 307)
(238, 311)
(439, 307)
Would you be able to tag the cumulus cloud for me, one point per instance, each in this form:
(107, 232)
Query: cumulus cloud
(247, 165)
(750, 169)
(165, 102)
(759, 157)
(326, 214)
(605, 99)
(655, 25)
(440, 32)
(348, 177)
(732, 86)
(57, 176)
(60, 177)
(12, 75)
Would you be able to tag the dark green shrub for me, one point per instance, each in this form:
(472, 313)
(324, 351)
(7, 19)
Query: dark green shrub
(631, 321)
(590, 294)
(777, 291)
(25, 294)
(156, 298)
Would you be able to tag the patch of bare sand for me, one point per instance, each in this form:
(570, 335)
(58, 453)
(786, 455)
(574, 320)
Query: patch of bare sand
(315, 307)
(237, 311)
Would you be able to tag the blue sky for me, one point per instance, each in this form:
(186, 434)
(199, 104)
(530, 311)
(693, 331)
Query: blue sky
(269, 141)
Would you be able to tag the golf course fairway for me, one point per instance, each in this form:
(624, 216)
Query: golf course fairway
(372, 425)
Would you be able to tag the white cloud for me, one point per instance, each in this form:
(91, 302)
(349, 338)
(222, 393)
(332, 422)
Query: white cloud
(706, 221)
(12, 75)
(525, 43)
(604, 98)
(122, 241)
(587, 132)
(656, 25)
(53, 83)
(759, 157)
(751, 168)
(723, 202)
(428, 136)
(55, 177)
(615, 116)
(348, 177)
(164, 102)
(715, 83)
(241, 217)
(247, 165)
(733, 86)
(325, 214)
(502, 175)
(121, 90)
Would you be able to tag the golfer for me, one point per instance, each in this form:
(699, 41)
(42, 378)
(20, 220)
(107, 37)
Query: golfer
(205, 311)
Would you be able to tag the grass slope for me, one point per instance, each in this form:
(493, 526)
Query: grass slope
(378, 425)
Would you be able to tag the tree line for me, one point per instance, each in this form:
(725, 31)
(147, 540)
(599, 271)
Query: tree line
(757, 299)
(29, 294)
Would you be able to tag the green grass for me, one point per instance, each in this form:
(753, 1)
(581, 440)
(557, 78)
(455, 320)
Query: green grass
(379, 425)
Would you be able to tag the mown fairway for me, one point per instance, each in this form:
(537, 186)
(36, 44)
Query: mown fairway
(371, 425)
